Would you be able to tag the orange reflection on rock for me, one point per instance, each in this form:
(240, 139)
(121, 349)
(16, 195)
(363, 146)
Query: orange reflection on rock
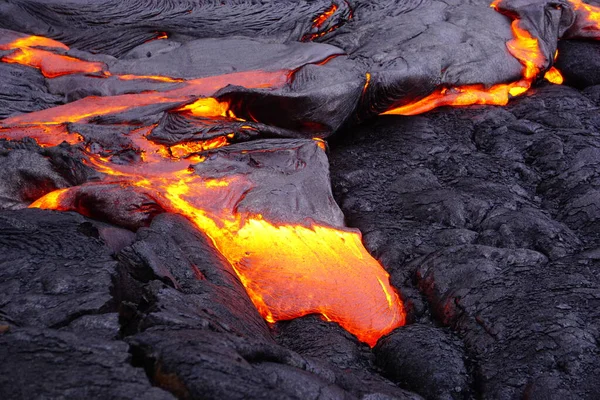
(524, 47)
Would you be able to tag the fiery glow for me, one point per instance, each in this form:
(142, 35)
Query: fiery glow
(321, 19)
(321, 143)
(208, 107)
(289, 270)
(183, 150)
(590, 13)
(526, 49)
(463, 96)
(367, 83)
(149, 77)
(51, 201)
(86, 108)
(33, 41)
(553, 75)
(293, 270)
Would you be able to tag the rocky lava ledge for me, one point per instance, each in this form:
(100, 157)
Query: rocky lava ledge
(487, 219)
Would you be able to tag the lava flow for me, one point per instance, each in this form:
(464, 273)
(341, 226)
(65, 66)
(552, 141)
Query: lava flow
(52, 65)
(524, 47)
(288, 269)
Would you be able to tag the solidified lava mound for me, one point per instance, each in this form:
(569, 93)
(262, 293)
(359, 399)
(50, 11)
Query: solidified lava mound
(313, 199)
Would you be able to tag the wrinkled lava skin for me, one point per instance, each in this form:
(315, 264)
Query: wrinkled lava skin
(128, 112)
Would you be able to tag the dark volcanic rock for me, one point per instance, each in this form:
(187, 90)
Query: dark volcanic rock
(500, 204)
(128, 207)
(288, 180)
(426, 360)
(39, 363)
(203, 364)
(578, 62)
(23, 90)
(202, 289)
(54, 268)
(338, 348)
(59, 320)
(28, 171)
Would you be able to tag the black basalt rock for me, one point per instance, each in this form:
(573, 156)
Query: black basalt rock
(427, 360)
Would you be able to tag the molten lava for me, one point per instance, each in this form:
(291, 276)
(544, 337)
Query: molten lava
(51, 65)
(463, 96)
(289, 270)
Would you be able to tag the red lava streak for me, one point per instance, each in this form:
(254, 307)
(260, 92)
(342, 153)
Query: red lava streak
(89, 107)
(321, 19)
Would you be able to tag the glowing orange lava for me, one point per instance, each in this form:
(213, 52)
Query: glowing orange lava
(182, 150)
(553, 75)
(149, 77)
(208, 108)
(51, 201)
(463, 96)
(288, 270)
(52, 65)
(33, 41)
